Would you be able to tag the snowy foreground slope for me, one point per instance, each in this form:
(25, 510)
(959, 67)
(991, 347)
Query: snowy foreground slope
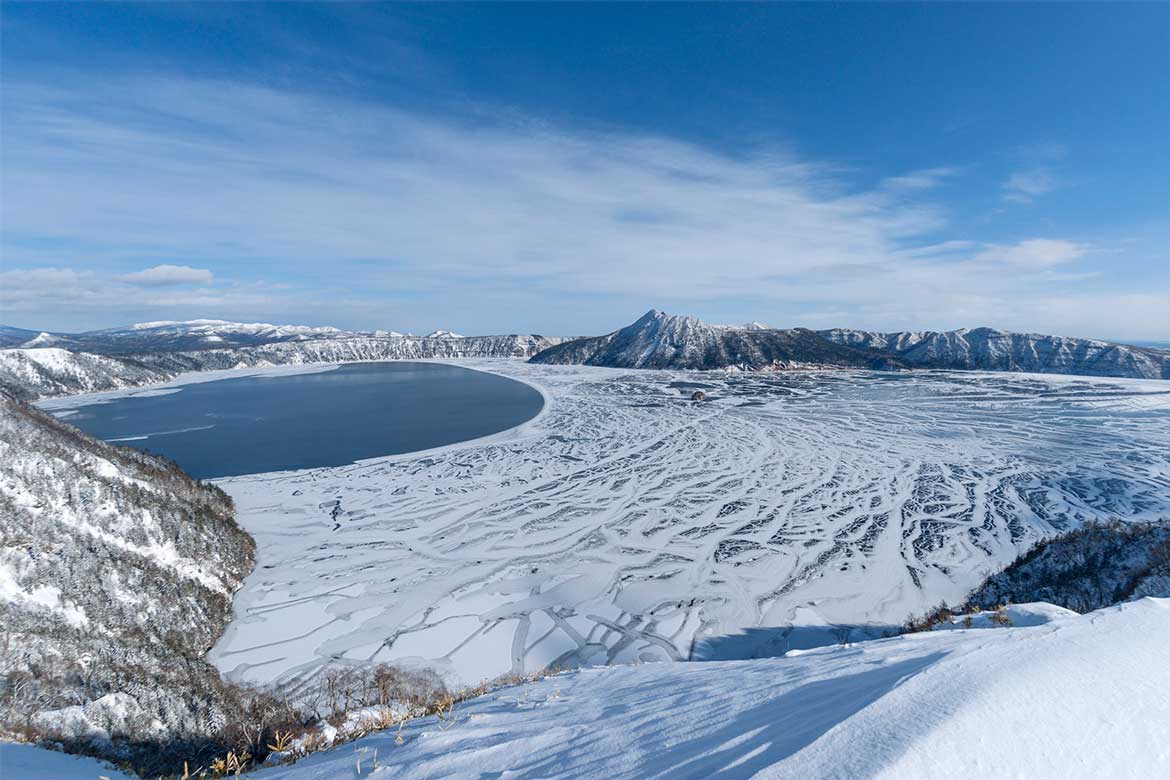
(1076, 698)
(628, 523)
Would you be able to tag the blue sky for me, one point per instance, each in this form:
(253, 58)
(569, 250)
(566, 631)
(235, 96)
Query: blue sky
(561, 169)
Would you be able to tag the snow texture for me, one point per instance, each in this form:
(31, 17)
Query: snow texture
(628, 523)
(1072, 698)
(29, 762)
(962, 705)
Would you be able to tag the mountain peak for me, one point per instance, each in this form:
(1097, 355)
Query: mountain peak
(661, 340)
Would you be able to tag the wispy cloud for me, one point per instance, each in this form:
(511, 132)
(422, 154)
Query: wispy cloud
(1026, 186)
(371, 203)
(44, 290)
(1035, 253)
(177, 169)
(925, 179)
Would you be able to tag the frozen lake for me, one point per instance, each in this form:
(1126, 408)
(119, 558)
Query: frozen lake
(263, 423)
(627, 523)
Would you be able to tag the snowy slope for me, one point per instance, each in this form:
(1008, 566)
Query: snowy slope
(29, 762)
(49, 371)
(116, 574)
(987, 349)
(986, 703)
(661, 340)
(1076, 698)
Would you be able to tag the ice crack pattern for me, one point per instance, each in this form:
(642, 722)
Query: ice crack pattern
(629, 523)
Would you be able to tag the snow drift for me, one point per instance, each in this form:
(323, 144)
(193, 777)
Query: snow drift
(1074, 698)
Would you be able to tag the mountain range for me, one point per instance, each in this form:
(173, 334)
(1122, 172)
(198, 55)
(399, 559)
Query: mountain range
(661, 340)
(172, 336)
(38, 364)
(48, 365)
(988, 349)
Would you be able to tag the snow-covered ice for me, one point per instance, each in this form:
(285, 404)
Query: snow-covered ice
(627, 523)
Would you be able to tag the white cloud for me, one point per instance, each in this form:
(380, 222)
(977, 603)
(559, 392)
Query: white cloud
(354, 204)
(167, 275)
(1026, 186)
(316, 182)
(1034, 253)
(49, 289)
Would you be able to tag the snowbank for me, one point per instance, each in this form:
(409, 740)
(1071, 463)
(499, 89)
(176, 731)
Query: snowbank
(1078, 697)
(28, 762)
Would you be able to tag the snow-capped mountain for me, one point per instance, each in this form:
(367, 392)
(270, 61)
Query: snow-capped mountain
(116, 575)
(169, 335)
(987, 349)
(661, 340)
(50, 372)
(15, 337)
(194, 334)
(185, 335)
(444, 334)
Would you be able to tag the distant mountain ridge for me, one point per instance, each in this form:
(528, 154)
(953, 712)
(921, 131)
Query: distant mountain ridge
(43, 364)
(988, 349)
(661, 340)
(168, 335)
(51, 371)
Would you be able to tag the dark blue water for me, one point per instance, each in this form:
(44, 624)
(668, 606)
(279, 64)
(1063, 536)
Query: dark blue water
(250, 425)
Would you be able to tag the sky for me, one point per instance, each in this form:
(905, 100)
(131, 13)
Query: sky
(560, 169)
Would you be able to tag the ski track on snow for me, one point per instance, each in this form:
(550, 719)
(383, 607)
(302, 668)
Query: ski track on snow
(627, 523)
